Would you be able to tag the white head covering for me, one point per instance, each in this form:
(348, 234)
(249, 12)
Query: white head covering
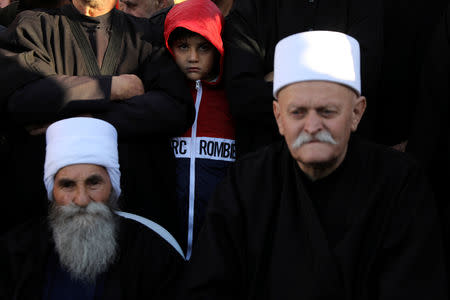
(81, 141)
(317, 55)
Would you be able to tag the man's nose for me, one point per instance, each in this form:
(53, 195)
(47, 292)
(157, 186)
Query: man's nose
(81, 198)
(313, 123)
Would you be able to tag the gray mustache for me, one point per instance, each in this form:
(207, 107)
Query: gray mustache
(322, 136)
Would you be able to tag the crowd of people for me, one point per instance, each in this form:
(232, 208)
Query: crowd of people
(220, 149)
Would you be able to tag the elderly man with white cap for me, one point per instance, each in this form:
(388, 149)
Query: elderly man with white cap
(321, 214)
(85, 248)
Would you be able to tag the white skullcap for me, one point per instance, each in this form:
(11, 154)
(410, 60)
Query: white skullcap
(317, 55)
(81, 141)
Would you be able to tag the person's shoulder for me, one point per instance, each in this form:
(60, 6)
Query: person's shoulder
(37, 18)
(40, 13)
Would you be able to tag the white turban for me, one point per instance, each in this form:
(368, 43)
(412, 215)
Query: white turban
(317, 55)
(81, 141)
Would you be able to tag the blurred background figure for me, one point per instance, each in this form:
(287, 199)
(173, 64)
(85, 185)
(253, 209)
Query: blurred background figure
(143, 8)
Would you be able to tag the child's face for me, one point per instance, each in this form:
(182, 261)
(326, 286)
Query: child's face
(195, 57)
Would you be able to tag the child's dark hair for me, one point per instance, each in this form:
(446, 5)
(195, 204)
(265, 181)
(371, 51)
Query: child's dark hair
(180, 33)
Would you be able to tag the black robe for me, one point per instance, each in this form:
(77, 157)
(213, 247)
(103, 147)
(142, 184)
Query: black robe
(429, 139)
(45, 77)
(376, 237)
(253, 28)
(147, 267)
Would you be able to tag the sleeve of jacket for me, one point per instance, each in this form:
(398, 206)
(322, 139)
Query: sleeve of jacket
(217, 267)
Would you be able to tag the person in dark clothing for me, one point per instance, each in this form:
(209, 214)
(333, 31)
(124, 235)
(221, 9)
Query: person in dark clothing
(404, 45)
(252, 30)
(101, 62)
(429, 140)
(322, 214)
(85, 249)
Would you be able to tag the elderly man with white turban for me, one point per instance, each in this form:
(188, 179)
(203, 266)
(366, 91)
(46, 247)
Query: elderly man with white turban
(85, 248)
(321, 214)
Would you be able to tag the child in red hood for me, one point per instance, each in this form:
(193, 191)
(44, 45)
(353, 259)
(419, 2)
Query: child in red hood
(192, 32)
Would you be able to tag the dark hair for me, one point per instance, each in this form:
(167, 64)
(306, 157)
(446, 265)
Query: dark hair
(180, 33)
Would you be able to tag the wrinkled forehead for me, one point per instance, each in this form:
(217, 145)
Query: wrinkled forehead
(316, 90)
(81, 171)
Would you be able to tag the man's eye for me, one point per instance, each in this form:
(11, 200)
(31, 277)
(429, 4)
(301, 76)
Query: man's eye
(66, 184)
(93, 182)
(327, 112)
(297, 112)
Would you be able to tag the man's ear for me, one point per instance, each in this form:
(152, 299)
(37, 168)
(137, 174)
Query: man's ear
(276, 113)
(358, 111)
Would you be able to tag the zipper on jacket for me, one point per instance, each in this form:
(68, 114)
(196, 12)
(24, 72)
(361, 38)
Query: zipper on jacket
(198, 87)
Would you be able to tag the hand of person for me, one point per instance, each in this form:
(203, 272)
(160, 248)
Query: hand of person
(401, 147)
(126, 86)
(269, 77)
(37, 129)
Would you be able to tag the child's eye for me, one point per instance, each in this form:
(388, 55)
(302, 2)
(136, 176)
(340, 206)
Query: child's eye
(182, 46)
(205, 47)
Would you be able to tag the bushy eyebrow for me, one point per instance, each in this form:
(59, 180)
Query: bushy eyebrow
(95, 178)
(64, 182)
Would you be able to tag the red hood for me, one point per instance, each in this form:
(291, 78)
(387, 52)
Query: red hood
(199, 16)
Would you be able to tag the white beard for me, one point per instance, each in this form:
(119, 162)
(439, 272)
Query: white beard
(85, 238)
